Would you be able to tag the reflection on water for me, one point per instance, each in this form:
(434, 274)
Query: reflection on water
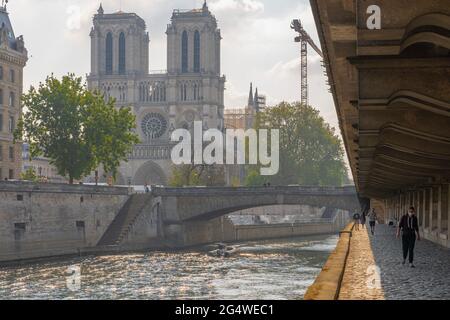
(277, 269)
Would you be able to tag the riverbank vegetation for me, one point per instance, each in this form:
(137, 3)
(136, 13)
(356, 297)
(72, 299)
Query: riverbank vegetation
(76, 129)
(311, 152)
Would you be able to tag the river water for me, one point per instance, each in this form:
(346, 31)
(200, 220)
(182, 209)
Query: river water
(276, 269)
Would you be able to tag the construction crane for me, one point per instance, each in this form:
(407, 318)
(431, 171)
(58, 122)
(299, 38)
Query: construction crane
(304, 39)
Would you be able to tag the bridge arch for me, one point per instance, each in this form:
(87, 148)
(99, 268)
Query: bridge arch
(195, 204)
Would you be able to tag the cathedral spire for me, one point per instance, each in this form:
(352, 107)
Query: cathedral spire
(256, 103)
(100, 9)
(4, 3)
(250, 96)
(205, 9)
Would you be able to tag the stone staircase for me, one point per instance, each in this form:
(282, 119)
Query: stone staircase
(122, 223)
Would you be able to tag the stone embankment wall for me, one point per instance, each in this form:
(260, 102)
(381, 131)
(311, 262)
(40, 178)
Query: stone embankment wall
(47, 220)
(39, 220)
(223, 230)
(328, 282)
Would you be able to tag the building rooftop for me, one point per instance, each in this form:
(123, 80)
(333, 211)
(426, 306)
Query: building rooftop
(117, 15)
(188, 13)
(6, 28)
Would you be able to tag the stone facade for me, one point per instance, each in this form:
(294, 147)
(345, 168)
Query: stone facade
(392, 96)
(13, 57)
(191, 89)
(41, 166)
(242, 118)
(40, 220)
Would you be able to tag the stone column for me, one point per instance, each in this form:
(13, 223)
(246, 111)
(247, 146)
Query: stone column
(416, 204)
(419, 207)
(387, 216)
(438, 214)
(402, 210)
(423, 207)
(444, 208)
(448, 214)
(430, 209)
(397, 207)
(428, 206)
(435, 203)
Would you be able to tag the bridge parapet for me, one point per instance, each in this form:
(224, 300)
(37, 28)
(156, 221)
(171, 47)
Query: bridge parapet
(204, 203)
(286, 190)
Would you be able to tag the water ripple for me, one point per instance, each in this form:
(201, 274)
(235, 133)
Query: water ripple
(280, 269)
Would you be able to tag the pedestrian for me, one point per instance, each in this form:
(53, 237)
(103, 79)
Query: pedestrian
(356, 217)
(363, 220)
(372, 221)
(409, 228)
(146, 188)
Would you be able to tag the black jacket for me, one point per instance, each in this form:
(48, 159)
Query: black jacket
(408, 224)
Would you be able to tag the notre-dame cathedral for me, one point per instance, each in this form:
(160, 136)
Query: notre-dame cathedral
(192, 88)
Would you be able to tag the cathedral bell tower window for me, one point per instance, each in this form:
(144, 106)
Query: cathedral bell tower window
(122, 53)
(184, 52)
(109, 54)
(197, 52)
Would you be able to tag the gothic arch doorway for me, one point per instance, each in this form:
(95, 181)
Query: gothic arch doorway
(150, 173)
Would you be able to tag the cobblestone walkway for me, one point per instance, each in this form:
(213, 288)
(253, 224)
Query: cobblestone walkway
(359, 282)
(429, 280)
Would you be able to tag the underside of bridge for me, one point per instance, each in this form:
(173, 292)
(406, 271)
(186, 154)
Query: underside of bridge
(179, 205)
(391, 87)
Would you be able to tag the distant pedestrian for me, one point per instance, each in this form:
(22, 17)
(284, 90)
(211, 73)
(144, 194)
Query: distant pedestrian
(372, 220)
(409, 228)
(146, 188)
(363, 220)
(356, 217)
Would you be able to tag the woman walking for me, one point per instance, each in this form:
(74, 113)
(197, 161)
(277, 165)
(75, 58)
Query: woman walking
(372, 221)
(363, 220)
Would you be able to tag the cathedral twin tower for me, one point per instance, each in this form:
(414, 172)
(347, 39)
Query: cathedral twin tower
(191, 89)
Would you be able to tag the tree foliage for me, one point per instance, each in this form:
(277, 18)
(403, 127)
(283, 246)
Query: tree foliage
(197, 175)
(311, 152)
(75, 128)
(29, 175)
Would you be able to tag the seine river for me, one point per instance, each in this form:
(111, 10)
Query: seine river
(277, 269)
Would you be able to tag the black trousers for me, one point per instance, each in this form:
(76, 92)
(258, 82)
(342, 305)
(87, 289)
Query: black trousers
(408, 242)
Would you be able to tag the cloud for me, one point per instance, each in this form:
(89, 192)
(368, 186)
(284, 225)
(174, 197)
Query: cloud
(258, 44)
(236, 97)
(292, 67)
(237, 6)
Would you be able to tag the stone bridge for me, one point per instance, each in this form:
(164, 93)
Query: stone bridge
(179, 205)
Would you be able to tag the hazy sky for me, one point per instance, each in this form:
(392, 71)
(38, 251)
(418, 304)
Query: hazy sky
(257, 43)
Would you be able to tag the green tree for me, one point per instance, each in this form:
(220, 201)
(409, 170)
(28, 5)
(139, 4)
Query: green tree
(311, 152)
(75, 128)
(254, 179)
(109, 132)
(197, 175)
(29, 175)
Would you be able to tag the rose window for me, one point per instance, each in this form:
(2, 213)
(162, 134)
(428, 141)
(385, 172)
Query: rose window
(154, 125)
